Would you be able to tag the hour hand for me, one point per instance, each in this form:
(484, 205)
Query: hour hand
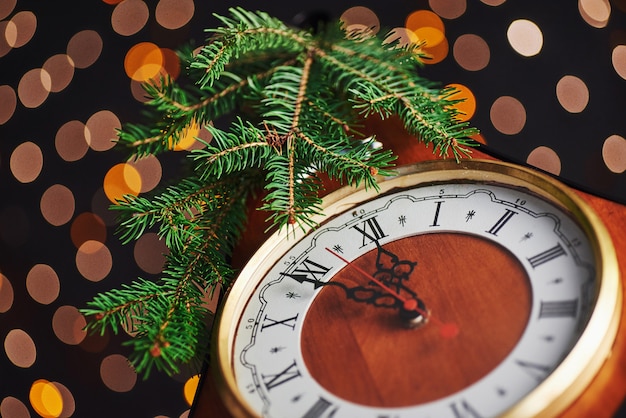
(357, 293)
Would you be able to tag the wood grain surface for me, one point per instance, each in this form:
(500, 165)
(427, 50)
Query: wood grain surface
(366, 355)
(604, 395)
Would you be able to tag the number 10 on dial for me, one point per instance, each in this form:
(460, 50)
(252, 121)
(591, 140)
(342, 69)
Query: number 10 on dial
(459, 290)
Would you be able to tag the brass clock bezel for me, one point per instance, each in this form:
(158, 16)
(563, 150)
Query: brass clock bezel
(551, 396)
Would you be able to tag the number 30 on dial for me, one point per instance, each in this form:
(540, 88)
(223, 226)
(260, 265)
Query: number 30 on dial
(460, 290)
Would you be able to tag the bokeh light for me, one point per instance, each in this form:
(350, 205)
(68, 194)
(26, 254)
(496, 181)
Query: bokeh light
(430, 31)
(546, 159)
(87, 227)
(174, 14)
(6, 8)
(46, 399)
(424, 19)
(84, 48)
(525, 37)
(572, 93)
(8, 102)
(34, 87)
(6, 294)
(43, 284)
(20, 29)
(93, 260)
(618, 59)
(20, 348)
(467, 106)
(120, 180)
(117, 374)
(70, 141)
(448, 9)
(508, 115)
(493, 2)
(360, 18)
(57, 205)
(189, 390)
(68, 325)
(595, 12)
(26, 162)
(129, 17)
(171, 63)
(614, 153)
(471, 52)
(14, 408)
(143, 62)
(101, 130)
(60, 67)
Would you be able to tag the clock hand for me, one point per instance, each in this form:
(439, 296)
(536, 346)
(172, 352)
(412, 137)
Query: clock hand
(409, 305)
(357, 293)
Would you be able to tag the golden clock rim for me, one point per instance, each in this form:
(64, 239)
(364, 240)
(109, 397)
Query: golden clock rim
(570, 377)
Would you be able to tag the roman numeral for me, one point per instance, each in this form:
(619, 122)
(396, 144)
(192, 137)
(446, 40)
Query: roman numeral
(464, 410)
(547, 255)
(437, 209)
(288, 322)
(558, 309)
(534, 370)
(308, 271)
(371, 231)
(274, 380)
(319, 409)
(508, 214)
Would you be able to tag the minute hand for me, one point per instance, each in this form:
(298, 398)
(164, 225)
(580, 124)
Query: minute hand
(447, 330)
(409, 304)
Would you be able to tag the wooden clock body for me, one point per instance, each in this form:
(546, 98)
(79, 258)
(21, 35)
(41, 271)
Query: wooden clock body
(607, 390)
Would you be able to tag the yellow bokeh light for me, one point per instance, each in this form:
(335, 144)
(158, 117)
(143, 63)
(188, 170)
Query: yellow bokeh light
(422, 19)
(430, 36)
(187, 138)
(46, 399)
(143, 62)
(467, 107)
(120, 180)
(190, 388)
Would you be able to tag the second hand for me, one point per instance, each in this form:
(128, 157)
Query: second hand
(448, 330)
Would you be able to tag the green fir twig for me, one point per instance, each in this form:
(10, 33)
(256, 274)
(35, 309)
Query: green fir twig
(296, 100)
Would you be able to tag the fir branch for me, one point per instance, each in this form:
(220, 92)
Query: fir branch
(297, 100)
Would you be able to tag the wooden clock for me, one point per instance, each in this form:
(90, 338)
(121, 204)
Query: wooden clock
(463, 290)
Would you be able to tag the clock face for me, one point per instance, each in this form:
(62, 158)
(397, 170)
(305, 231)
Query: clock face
(452, 298)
